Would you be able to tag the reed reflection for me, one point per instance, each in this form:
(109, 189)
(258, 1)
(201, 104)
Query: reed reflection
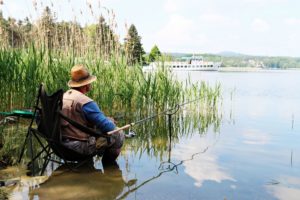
(158, 136)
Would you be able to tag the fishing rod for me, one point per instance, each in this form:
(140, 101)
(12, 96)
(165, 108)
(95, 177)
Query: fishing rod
(165, 112)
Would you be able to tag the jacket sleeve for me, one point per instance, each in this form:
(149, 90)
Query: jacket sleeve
(95, 116)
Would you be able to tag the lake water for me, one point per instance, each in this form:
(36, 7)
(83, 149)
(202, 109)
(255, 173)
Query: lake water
(252, 152)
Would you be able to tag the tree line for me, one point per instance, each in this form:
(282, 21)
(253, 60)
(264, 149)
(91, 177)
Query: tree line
(49, 34)
(268, 62)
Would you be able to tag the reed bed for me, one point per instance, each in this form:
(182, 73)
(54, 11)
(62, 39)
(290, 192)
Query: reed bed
(195, 118)
(119, 87)
(44, 51)
(122, 91)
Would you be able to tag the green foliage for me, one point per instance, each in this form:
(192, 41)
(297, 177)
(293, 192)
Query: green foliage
(133, 47)
(119, 90)
(154, 54)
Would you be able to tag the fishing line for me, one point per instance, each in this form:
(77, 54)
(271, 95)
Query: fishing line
(168, 112)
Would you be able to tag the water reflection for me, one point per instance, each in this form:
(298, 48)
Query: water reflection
(84, 183)
(156, 142)
(254, 136)
(286, 187)
(164, 167)
(154, 136)
(204, 167)
(17, 184)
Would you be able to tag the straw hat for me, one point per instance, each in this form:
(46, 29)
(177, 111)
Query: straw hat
(80, 76)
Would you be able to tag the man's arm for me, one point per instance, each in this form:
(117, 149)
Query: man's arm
(95, 116)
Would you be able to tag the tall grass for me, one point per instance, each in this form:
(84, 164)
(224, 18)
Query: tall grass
(121, 90)
(46, 52)
(119, 87)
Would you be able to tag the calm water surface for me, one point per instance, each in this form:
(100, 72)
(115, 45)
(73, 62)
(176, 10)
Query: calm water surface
(252, 154)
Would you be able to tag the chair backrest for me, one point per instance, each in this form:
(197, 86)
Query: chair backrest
(49, 117)
(49, 124)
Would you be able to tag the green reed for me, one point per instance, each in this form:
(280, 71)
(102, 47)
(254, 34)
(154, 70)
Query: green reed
(118, 86)
(153, 137)
(121, 91)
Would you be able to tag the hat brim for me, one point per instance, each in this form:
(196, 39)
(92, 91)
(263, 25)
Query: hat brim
(86, 81)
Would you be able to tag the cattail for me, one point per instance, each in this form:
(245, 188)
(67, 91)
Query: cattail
(34, 3)
(99, 5)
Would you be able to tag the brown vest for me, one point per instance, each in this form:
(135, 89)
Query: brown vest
(73, 101)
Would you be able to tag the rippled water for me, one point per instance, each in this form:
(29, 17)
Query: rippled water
(249, 151)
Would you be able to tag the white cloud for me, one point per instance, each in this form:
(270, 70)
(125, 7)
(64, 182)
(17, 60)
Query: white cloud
(293, 21)
(13, 8)
(172, 6)
(288, 188)
(213, 18)
(213, 21)
(177, 27)
(204, 166)
(260, 25)
(264, 1)
(255, 137)
(178, 32)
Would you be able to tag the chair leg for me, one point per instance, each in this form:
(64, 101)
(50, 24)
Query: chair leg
(44, 166)
(31, 153)
(44, 148)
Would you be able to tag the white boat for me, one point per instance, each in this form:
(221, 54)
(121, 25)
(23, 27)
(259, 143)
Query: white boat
(194, 63)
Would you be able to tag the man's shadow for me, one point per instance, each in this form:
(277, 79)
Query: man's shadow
(86, 182)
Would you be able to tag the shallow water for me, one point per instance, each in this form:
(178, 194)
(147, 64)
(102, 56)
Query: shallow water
(249, 151)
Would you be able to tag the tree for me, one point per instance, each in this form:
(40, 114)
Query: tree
(154, 54)
(133, 47)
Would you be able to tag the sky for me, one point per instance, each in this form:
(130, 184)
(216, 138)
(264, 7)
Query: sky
(253, 27)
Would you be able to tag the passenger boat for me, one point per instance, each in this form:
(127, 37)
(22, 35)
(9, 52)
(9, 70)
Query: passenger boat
(194, 63)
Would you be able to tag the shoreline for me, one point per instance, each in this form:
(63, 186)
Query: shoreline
(253, 69)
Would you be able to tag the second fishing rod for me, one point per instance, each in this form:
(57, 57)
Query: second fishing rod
(169, 112)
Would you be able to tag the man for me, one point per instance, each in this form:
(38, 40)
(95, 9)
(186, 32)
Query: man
(82, 109)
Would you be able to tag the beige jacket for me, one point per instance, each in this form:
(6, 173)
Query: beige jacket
(73, 101)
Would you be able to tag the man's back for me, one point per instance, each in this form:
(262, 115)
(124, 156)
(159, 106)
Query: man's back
(73, 101)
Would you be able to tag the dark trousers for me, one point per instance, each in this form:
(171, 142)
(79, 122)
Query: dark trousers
(109, 148)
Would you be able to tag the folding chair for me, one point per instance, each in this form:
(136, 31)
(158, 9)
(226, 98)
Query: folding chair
(47, 116)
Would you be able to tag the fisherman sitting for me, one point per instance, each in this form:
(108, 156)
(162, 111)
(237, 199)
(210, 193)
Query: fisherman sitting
(82, 109)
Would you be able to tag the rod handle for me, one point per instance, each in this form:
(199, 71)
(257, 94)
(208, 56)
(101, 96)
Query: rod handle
(120, 129)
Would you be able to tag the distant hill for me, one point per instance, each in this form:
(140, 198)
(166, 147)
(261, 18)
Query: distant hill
(223, 54)
(178, 55)
(231, 54)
